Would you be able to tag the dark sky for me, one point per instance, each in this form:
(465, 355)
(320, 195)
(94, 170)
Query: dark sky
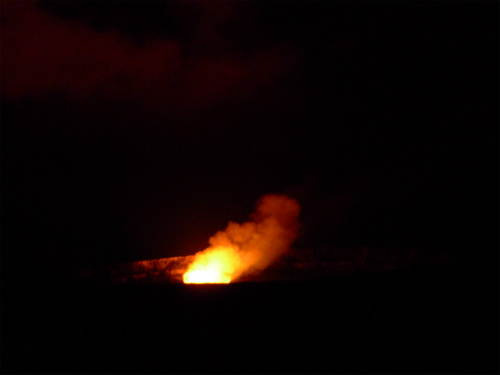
(134, 130)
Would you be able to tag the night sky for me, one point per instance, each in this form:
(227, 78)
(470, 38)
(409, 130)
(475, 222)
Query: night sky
(136, 130)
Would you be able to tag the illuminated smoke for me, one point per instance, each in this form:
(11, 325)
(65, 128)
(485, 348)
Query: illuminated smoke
(248, 248)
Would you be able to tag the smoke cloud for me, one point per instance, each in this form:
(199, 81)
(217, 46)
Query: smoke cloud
(44, 54)
(248, 248)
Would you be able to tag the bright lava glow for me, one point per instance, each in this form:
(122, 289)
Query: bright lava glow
(205, 276)
(215, 266)
(248, 248)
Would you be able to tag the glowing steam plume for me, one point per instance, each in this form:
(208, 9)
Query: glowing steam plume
(250, 247)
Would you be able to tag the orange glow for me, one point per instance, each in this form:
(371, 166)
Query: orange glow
(250, 247)
(215, 266)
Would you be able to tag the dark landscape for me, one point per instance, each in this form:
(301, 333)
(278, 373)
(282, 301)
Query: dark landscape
(432, 320)
(134, 131)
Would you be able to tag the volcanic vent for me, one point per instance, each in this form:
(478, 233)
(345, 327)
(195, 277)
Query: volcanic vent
(259, 250)
(238, 251)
